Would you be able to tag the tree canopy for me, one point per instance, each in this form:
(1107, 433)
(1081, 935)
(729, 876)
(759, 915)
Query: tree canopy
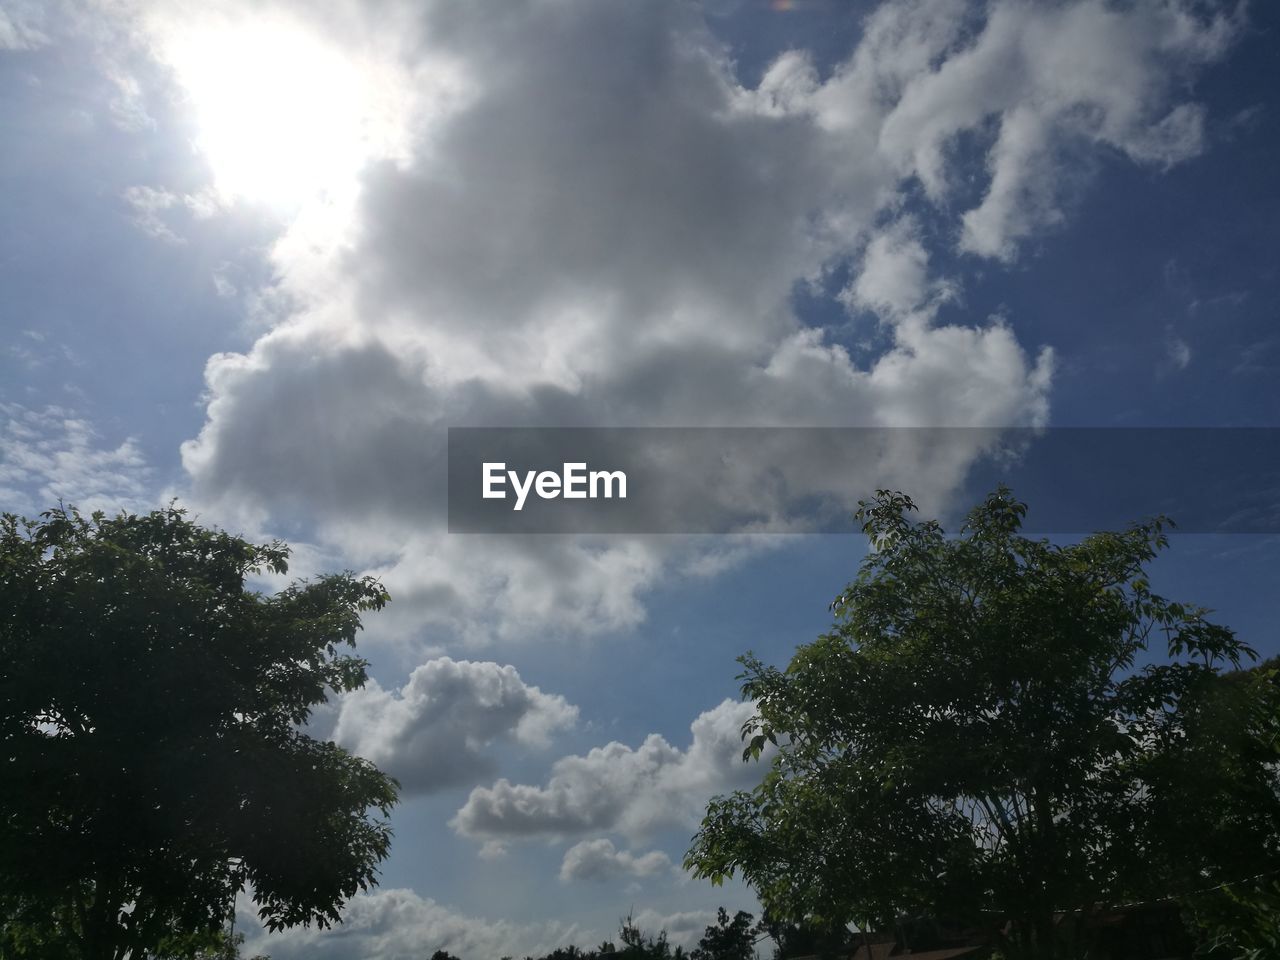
(730, 938)
(152, 707)
(999, 725)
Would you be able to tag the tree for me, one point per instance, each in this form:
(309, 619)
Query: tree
(804, 938)
(151, 714)
(637, 945)
(731, 938)
(203, 945)
(1237, 920)
(1000, 724)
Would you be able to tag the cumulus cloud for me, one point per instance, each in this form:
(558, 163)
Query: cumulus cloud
(52, 454)
(617, 788)
(394, 923)
(1050, 80)
(586, 218)
(437, 729)
(599, 859)
(893, 280)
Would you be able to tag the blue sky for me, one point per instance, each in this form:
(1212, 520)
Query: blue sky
(258, 256)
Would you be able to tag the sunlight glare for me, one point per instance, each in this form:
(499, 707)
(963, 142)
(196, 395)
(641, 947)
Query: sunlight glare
(281, 115)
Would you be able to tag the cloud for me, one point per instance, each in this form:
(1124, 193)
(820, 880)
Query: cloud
(894, 281)
(683, 928)
(1049, 80)
(1177, 350)
(1259, 357)
(151, 206)
(598, 860)
(587, 219)
(52, 454)
(437, 730)
(22, 26)
(616, 788)
(394, 923)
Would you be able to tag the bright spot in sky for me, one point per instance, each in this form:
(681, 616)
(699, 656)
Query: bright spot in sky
(281, 115)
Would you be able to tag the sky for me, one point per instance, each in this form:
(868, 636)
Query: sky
(259, 256)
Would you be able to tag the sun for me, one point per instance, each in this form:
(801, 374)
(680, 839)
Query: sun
(281, 115)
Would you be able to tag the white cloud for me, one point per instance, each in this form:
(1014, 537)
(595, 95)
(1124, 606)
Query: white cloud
(53, 454)
(153, 209)
(395, 924)
(575, 214)
(616, 788)
(223, 285)
(437, 729)
(398, 924)
(598, 860)
(1023, 196)
(893, 279)
(1050, 80)
(683, 928)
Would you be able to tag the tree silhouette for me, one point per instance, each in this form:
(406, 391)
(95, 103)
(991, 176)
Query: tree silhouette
(151, 706)
(730, 938)
(1001, 724)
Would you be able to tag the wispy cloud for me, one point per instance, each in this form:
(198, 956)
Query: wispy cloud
(51, 455)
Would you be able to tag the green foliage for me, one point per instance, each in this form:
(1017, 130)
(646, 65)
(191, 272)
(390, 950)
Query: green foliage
(1239, 921)
(731, 938)
(805, 938)
(204, 945)
(636, 945)
(150, 707)
(1002, 724)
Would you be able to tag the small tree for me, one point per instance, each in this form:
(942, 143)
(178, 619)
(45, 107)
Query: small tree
(1000, 724)
(731, 938)
(222, 945)
(637, 945)
(804, 938)
(150, 713)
